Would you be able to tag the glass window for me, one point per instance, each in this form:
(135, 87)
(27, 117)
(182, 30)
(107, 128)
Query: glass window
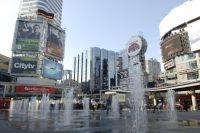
(193, 75)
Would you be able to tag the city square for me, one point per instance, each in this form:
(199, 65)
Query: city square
(131, 87)
(98, 122)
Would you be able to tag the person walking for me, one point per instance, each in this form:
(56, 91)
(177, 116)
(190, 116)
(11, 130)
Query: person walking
(108, 104)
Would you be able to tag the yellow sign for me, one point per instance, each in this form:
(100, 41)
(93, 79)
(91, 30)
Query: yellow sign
(121, 97)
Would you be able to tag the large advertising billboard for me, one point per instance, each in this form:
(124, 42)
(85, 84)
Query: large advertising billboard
(24, 65)
(171, 47)
(55, 45)
(52, 69)
(28, 36)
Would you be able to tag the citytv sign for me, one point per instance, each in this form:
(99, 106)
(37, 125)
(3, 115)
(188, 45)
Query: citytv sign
(24, 65)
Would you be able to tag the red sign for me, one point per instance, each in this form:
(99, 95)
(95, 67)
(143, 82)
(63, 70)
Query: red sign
(35, 89)
(133, 47)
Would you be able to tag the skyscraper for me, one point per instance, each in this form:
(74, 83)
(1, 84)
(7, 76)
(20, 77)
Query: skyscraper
(94, 70)
(28, 8)
(153, 69)
(38, 47)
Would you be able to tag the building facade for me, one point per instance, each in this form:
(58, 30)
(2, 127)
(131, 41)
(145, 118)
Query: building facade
(180, 47)
(38, 48)
(29, 9)
(94, 70)
(180, 41)
(153, 70)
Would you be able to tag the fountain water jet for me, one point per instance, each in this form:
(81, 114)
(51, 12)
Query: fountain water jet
(68, 102)
(172, 114)
(86, 105)
(115, 106)
(44, 106)
(136, 48)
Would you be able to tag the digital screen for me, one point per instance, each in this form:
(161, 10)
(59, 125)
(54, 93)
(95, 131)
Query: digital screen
(24, 65)
(171, 47)
(28, 36)
(52, 69)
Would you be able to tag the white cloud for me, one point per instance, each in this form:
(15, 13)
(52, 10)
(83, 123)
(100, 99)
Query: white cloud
(9, 10)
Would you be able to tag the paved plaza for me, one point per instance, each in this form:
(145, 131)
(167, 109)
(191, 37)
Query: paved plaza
(98, 122)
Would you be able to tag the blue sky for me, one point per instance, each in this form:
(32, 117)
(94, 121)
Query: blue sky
(106, 24)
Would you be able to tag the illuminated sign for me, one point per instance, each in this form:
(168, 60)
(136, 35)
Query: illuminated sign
(24, 65)
(35, 89)
(134, 46)
(52, 69)
(45, 14)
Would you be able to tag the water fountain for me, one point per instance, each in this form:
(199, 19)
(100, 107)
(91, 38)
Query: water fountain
(44, 106)
(86, 105)
(68, 106)
(136, 49)
(172, 114)
(115, 107)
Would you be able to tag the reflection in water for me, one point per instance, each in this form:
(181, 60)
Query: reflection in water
(190, 123)
(96, 123)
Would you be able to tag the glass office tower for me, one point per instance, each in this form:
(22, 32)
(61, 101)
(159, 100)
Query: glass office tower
(94, 70)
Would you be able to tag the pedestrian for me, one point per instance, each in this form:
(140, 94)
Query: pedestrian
(108, 104)
(93, 102)
(185, 106)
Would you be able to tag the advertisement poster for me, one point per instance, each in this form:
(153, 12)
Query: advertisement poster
(55, 42)
(24, 65)
(52, 69)
(28, 36)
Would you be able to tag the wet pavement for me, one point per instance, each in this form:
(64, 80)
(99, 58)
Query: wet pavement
(96, 122)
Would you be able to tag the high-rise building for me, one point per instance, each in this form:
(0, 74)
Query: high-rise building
(38, 47)
(94, 70)
(29, 8)
(153, 69)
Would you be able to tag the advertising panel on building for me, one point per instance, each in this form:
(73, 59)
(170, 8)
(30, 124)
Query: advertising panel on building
(171, 46)
(55, 45)
(169, 64)
(52, 69)
(24, 65)
(35, 89)
(28, 36)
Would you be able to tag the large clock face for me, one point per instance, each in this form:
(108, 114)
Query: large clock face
(134, 46)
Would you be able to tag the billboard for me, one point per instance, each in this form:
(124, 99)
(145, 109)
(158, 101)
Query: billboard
(169, 64)
(171, 46)
(35, 89)
(55, 45)
(52, 69)
(194, 35)
(24, 65)
(45, 14)
(28, 36)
